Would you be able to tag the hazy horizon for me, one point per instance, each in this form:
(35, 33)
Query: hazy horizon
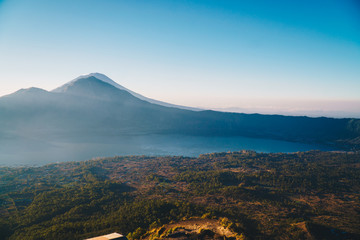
(310, 108)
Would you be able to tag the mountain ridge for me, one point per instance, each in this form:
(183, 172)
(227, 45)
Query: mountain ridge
(93, 87)
(91, 110)
(106, 79)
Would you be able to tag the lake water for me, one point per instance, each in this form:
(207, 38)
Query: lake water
(15, 152)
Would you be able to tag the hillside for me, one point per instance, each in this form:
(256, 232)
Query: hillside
(194, 228)
(106, 79)
(305, 195)
(91, 110)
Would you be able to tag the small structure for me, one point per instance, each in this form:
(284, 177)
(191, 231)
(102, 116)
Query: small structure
(111, 236)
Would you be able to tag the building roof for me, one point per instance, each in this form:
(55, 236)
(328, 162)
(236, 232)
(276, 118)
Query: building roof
(111, 236)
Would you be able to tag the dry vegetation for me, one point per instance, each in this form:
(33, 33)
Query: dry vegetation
(312, 195)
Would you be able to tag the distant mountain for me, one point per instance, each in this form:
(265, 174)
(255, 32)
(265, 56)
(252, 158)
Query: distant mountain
(105, 79)
(88, 109)
(293, 112)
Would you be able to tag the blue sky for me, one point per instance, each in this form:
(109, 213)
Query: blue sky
(280, 55)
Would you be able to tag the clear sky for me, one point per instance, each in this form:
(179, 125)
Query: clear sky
(281, 55)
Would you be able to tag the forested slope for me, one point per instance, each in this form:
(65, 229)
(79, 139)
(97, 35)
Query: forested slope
(260, 196)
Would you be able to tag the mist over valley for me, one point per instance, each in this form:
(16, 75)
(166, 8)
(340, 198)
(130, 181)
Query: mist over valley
(93, 116)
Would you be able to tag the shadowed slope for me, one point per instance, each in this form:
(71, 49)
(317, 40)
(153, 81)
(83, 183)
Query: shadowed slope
(90, 107)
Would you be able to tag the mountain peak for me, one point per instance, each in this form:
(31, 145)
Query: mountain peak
(90, 76)
(27, 94)
(97, 75)
(106, 79)
(31, 90)
(91, 87)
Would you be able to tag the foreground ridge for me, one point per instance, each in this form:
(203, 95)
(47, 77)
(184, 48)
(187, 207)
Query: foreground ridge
(246, 195)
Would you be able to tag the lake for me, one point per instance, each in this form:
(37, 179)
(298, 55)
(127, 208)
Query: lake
(31, 151)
